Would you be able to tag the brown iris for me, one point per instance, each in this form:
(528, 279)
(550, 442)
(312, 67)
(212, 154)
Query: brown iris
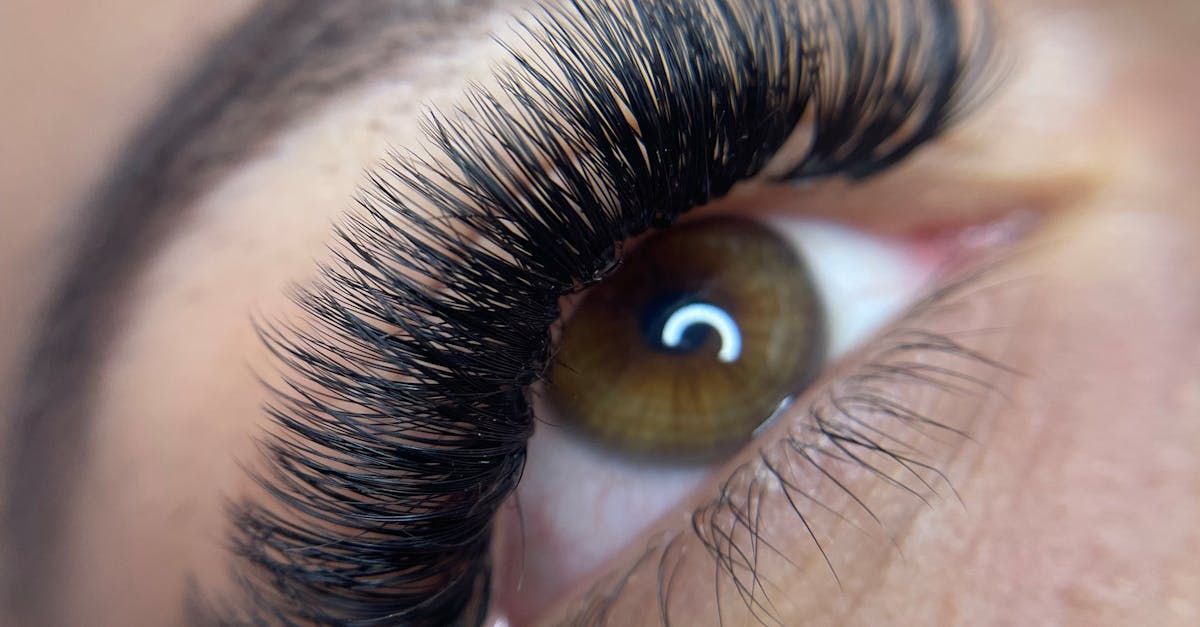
(692, 343)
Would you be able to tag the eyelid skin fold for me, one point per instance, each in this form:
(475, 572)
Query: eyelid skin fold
(403, 421)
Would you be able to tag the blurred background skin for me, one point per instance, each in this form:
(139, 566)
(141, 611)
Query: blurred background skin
(79, 77)
(77, 80)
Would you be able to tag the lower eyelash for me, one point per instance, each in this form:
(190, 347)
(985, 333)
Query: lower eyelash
(854, 424)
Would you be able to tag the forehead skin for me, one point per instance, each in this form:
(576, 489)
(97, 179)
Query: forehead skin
(1084, 509)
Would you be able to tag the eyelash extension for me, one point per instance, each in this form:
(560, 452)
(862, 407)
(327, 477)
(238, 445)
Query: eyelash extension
(404, 414)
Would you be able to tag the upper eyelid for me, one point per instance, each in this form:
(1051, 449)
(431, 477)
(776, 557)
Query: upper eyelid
(351, 306)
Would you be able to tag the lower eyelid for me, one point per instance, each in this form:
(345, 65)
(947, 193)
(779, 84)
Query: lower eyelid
(836, 479)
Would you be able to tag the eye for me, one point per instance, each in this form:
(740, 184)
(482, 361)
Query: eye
(700, 335)
(404, 419)
(675, 361)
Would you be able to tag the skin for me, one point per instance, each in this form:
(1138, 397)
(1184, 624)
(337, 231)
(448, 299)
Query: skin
(1082, 506)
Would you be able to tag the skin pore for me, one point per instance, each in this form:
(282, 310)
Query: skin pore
(1082, 508)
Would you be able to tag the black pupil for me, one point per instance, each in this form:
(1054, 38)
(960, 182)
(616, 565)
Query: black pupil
(656, 314)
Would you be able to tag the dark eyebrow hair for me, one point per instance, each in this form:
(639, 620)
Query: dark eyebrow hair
(284, 59)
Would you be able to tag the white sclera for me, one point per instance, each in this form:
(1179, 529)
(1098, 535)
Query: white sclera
(864, 281)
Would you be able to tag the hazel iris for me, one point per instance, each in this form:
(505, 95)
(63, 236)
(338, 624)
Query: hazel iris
(699, 336)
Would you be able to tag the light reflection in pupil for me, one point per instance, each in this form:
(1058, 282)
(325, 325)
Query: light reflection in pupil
(685, 328)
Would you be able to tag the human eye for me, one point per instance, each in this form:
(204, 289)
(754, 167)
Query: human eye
(632, 484)
(997, 427)
(636, 413)
(621, 140)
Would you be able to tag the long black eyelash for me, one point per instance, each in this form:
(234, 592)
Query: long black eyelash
(403, 419)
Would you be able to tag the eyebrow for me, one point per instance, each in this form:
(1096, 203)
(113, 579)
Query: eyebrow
(283, 60)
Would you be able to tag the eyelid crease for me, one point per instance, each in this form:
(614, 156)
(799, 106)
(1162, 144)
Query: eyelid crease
(402, 423)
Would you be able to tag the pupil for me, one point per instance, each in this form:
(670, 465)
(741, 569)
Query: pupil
(682, 323)
(655, 317)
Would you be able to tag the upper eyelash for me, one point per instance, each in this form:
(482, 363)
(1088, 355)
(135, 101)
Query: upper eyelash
(404, 415)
